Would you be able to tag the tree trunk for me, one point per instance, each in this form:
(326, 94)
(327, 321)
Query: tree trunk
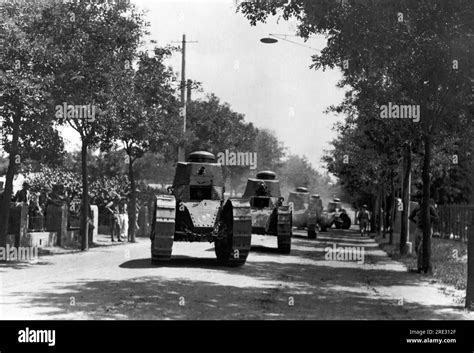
(85, 199)
(373, 219)
(132, 211)
(8, 190)
(383, 213)
(405, 199)
(426, 205)
(377, 209)
(469, 303)
(392, 208)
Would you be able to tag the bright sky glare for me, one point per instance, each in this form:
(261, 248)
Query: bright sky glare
(271, 84)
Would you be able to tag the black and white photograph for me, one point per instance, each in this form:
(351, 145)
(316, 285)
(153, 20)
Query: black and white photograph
(258, 161)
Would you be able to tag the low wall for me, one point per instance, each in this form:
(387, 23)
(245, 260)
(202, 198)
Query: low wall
(39, 239)
(17, 223)
(56, 223)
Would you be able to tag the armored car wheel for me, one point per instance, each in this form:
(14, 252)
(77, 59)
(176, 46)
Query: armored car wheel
(161, 250)
(163, 228)
(233, 242)
(284, 244)
(157, 260)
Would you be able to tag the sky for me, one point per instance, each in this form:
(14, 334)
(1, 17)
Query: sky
(271, 84)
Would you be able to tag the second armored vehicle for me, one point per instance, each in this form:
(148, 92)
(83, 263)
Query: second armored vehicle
(306, 210)
(197, 211)
(269, 216)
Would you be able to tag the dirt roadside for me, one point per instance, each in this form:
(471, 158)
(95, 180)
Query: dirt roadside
(119, 282)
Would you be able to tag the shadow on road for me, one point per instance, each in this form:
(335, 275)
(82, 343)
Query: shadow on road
(261, 289)
(175, 261)
(264, 249)
(154, 297)
(17, 265)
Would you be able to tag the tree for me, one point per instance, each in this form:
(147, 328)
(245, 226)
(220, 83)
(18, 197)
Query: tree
(86, 40)
(269, 149)
(145, 111)
(26, 124)
(423, 47)
(155, 168)
(213, 126)
(296, 171)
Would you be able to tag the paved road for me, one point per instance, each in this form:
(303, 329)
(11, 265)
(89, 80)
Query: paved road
(119, 282)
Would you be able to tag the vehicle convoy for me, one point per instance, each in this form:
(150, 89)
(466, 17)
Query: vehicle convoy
(335, 214)
(269, 216)
(196, 210)
(306, 210)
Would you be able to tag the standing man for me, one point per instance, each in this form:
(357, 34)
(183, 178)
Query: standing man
(123, 218)
(364, 219)
(23, 195)
(113, 208)
(36, 220)
(417, 218)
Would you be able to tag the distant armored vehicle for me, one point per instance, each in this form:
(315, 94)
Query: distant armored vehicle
(269, 216)
(196, 211)
(336, 215)
(306, 210)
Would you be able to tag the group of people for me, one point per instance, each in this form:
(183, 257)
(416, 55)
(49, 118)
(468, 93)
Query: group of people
(118, 212)
(416, 216)
(114, 204)
(37, 203)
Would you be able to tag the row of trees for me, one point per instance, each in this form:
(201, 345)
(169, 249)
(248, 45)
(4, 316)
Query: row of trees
(72, 55)
(399, 52)
(59, 57)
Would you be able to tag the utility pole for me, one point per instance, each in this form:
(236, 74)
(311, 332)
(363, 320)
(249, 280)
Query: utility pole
(406, 186)
(182, 110)
(189, 90)
(469, 303)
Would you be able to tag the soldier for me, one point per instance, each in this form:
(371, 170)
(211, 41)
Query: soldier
(113, 208)
(364, 218)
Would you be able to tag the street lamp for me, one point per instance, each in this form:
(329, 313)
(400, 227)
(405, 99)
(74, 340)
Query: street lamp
(273, 38)
(268, 40)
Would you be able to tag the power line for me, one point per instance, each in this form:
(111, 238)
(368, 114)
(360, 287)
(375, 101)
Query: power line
(283, 37)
